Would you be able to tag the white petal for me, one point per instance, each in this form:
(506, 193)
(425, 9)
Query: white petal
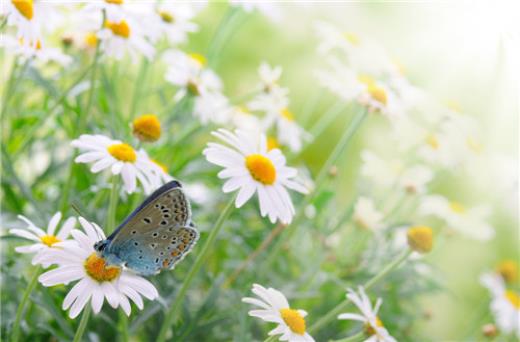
(53, 223)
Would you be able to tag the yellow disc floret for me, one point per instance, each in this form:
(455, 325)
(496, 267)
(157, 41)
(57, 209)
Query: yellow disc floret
(147, 128)
(25, 7)
(432, 141)
(352, 38)
(272, 143)
(91, 40)
(370, 330)
(261, 168)
(294, 320)
(49, 240)
(200, 59)
(513, 298)
(287, 114)
(377, 93)
(115, 2)
(98, 270)
(420, 239)
(456, 207)
(508, 269)
(122, 152)
(167, 17)
(120, 29)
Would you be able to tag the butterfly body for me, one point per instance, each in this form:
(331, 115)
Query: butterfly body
(156, 236)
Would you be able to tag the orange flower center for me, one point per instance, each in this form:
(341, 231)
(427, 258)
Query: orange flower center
(97, 269)
(294, 320)
(272, 143)
(25, 7)
(119, 29)
(513, 298)
(508, 269)
(115, 2)
(261, 169)
(370, 330)
(147, 128)
(122, 152)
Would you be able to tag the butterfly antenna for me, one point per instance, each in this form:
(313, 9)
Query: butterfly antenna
(76, 209)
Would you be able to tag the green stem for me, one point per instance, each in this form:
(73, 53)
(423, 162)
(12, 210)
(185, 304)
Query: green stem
(138, 86)
(82, 324)
(225, 27)
(174, 309)
(354, 338)
(123, 326)
(332, 314)
(112, 204)
(21, 308)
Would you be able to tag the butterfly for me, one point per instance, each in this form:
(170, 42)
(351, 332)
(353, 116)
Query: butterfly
(155, 236)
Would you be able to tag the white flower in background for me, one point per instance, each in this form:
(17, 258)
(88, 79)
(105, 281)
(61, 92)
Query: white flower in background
(274, 307)
(373, 325)
(414, 179)
(35, 51)
(44, 240)
(126, 36)
(189, 73)
(380, 171)
(77, 260)
(115, 10)
(199, 193)
(471, 222)
(269, 9)
(251, 168)
(269, 76)
(121, 158)
(505, 304)
(244, 120)
(330, 39)
(25, 16)
(340, 79)
(212, 107)
(176, 20)
(366, 215)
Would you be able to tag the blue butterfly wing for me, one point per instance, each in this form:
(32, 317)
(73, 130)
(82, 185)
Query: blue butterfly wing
(157, 235)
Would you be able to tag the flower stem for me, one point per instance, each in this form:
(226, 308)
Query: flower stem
(112, 204)
(19, 312)
(176, 306)
(123, 326)
(332, 314)
(354, 338)
(82, 324)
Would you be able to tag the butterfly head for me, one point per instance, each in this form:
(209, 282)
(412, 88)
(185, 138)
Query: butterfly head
(100, 246)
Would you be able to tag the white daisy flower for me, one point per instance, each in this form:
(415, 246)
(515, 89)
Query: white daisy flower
(121, 158)
(44, 240)
(244, 120)
(414, 179)
(471, 222)
(380, 171)
(505, 304)
(125, 37)
(366, 215)
(251, 168)
(176, 20)
(115, 10)
(373, 325)
(34, 51)
(269, 76)
(212, 107)
(275, 308)
(25, 16)
(269, 9)
(77, 260)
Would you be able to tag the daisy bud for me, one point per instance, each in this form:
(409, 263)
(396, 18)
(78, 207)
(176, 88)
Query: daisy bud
(489, 330)
(147, 128)
(67, 41)
(508, 269)
(333, 171)
(420, 239)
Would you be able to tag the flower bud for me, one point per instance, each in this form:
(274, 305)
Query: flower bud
(420, 239)
(147, 128)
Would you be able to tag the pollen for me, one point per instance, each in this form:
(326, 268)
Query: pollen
(261, 169)
(122, 152)
(508, 269)
(25, 7)
(420, 239)
(115, 2)
(120, 29)
(49, 240)
(294, 320)
(91, 40)
(370, 330)
(200, 59)
(167, 17)
(432, 141)
(147, 128)
(352, 38)
(456, 207)
(513, 298)
(97, 269)
(287, 114)
(272, 143)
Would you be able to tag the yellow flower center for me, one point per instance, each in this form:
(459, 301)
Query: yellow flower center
(370, 330)
(261, 168)
(352, 38)
(166, 16)
(122, 152)
(456, 207)
(272, 143)
(420, 239)
(161, 165)
(508, 269)
(294, 320)
(115, 2)
(25, 7)
(286, 113)
(49, 240)
(119, 29)
(377, 93)
(513, 298)
(200, 59)
(91, 39)
(432, 141)
(97, 269)
(474, 145)
(38, 45)
(366, 80)
(147, 128)
(454, 106)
